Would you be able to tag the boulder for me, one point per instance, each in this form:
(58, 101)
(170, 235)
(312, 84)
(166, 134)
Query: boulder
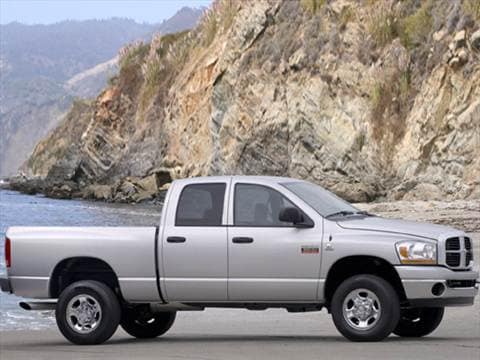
(439, 35)
(475, 40)
(136, 189)
(463, 56)
(61, 191)
(424, 192)
(148, 184)
(98, 192)
(297, 60)
(30, 186)
(460, 39)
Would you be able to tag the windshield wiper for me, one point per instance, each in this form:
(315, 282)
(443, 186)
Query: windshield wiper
(342, 213)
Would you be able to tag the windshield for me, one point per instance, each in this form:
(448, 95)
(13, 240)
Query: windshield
(323, 201)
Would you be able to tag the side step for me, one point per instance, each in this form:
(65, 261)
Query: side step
(40, 305)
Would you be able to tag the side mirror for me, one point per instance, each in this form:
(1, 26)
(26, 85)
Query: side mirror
(294, 216)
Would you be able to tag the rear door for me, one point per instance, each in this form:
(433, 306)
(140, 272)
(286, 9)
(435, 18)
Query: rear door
(269, 260)
(194, 242)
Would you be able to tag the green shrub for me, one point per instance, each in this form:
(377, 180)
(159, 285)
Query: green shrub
(133, 54)
(153, 72)
(166, 57)
(382, 22)
(313, 6)
(209, 29)
(404, 83)
(390, 99)
(168, 40)
(219, 17)
(112, 80)
(414, 29)
(346, 15)
(472, 7)
(228, 10)
(377, 95)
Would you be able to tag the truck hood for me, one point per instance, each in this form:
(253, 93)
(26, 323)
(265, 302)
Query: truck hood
(405, 227)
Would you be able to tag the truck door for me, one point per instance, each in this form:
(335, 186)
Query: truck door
(194, 242)
(270, 260)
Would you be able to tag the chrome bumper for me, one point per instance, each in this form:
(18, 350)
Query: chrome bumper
(457, 288)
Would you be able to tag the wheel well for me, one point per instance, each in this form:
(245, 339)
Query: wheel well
(356, 265)
(75, 269)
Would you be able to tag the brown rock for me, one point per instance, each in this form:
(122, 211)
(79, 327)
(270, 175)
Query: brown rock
(460, 39)
(98, 192)
(439, 35)
(463, 56)
(475, 40)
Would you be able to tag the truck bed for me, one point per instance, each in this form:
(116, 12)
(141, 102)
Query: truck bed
(129, 251)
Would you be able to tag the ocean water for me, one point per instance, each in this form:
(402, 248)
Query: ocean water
(25, 210)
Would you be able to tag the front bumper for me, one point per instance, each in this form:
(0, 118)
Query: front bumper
(5, 285)
(458, 288)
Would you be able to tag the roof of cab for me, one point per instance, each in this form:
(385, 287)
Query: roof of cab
(253, 178)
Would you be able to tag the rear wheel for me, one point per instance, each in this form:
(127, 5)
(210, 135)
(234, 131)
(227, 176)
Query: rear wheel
(365, 308)
(87, 313)
(141, 323)
(418, 322)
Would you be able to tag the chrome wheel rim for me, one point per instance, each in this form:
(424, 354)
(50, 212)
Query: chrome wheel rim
(84, 313)
(361, 309)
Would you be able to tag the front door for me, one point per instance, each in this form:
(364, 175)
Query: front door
(270, 260)
(194, 243)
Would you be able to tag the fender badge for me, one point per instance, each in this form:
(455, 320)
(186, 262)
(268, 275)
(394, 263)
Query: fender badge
(310, 249)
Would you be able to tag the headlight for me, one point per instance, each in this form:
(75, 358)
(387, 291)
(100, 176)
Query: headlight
(417, 252)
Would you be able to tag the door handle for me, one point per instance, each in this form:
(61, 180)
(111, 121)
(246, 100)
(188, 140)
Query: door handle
(242, 240)
(176, 239)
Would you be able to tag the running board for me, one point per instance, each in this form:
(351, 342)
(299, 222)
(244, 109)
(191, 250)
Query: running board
(38, 306)
(175, 306)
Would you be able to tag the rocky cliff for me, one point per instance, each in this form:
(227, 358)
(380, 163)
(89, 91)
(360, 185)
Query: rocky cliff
(369, 99)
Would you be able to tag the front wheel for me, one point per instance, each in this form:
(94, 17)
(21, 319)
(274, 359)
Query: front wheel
(87, 313)
(418, 322)
(141, 323)
(365, 308)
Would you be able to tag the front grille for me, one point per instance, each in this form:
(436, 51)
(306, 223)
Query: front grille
(458, 252)
(468, 258)
(468, 244)
(453, 259)
(452, 244)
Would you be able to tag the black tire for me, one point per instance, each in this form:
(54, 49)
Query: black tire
(103, 298)
(388, 304)
(418, 322)
(143, 324)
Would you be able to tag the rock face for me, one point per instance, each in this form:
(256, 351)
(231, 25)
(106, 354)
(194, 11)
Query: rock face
(461, 214)
(281, 88)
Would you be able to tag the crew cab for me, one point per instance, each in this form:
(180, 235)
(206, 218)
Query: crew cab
(244, 242)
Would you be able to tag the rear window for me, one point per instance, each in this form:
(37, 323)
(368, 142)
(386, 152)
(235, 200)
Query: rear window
(201, 205)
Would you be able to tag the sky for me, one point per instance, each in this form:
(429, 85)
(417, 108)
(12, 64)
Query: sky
(52, 11)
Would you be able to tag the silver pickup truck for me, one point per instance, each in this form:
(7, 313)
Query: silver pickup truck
(244, 242)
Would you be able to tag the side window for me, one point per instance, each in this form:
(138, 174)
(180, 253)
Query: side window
(201, 205)
(257, 205)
